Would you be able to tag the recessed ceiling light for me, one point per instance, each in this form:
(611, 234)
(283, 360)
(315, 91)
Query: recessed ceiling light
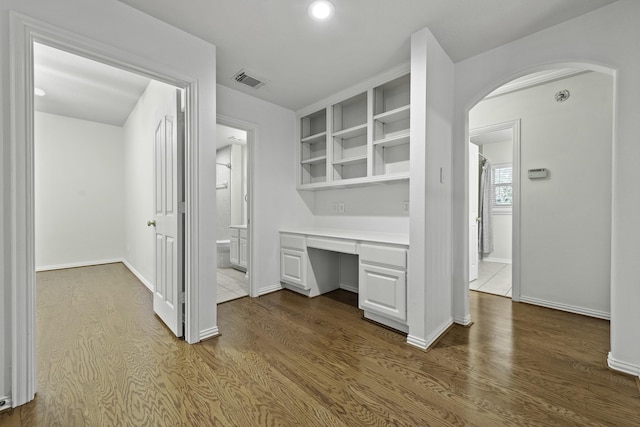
(39, 92)
(321, 10)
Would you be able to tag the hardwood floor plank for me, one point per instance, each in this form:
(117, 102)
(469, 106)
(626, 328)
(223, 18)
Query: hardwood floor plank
(104, 359)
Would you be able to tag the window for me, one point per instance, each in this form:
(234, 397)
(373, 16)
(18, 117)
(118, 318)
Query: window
(502, 186)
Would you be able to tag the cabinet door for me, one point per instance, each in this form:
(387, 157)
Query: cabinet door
(244, 250)
(234, 251)
(293, 267)
(383, 291)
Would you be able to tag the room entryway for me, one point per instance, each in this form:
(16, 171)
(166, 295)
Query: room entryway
(108, 162)
(233, 201)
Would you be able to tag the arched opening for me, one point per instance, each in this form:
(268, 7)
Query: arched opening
(561, 205)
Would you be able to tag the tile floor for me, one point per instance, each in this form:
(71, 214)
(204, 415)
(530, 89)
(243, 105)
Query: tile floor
(232, 284)
(493, 278)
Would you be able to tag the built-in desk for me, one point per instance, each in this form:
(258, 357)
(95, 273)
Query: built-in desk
(314, 261)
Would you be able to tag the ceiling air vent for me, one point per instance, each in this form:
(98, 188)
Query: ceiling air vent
(249, 79)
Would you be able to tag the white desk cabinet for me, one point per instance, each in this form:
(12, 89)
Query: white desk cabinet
(311, 263)
(383, 281)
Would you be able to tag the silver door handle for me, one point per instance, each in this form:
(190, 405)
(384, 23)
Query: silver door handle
(150, 223)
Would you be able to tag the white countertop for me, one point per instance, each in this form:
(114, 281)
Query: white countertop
(369, 236)
(244, 227)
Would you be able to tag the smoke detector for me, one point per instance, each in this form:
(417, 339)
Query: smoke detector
(249, 79)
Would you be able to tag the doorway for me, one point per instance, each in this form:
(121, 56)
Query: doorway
(232, 197)
(493, 195)
(235, 157)
(108, 166)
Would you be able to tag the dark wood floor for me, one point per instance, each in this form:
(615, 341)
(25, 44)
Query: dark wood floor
(285, 360)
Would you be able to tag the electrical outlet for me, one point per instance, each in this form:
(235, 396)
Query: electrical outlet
(334, 207)
(405, 207)
(341, 207)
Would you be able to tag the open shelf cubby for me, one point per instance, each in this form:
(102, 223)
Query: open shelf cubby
(350, 125)
(391, 127)
(313, 147)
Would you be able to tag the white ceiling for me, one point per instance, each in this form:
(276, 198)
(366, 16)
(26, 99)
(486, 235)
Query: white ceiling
(84, 89)
(306, 61)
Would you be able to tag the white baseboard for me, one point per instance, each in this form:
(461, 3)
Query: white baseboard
(464, 321)
(502, 260)
(5, 403)
(269, 289)
(416, 342)
(565, 307)
(350, 288)
(136, 273)
(209, 333)
(433, 337)
(77, 264)
(627, 368)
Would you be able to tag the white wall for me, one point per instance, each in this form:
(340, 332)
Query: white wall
(139, 131)
(141, 41)
(78, 192)
(603, 38)
(276, 203)
(566, 219)
(429, 309)
(373, 208)
(499, 153)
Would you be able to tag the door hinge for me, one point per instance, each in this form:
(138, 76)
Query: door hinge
(182, 208)
(181, 298)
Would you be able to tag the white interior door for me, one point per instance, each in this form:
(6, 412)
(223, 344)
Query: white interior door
(168, 297)
(473, 211)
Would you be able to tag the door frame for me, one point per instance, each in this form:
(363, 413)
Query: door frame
(252, 138)
(24, 31)
(514, 126)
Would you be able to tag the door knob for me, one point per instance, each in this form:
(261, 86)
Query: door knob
(150, 223)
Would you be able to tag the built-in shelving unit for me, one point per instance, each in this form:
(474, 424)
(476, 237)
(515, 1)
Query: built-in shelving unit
(313, 148)
(360, 140)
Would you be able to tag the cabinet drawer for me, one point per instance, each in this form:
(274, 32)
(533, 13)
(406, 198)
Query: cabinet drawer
(234, 232)
(396, 257)
(335, 245)
(243, 233)
(292, 241)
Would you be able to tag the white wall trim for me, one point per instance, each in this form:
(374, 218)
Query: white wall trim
(569, 308)
(437, 333)
(209, 333)
(433, 336)
(78, 264)
(501, 260)
(270, 289)
(22, 33)
(139, 275)
(464, 321)
(417, 342)
(624, 367)
(350, 288)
